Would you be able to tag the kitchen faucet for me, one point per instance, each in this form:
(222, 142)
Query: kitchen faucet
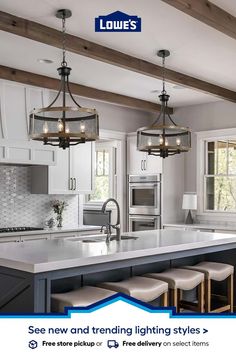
(109, 225)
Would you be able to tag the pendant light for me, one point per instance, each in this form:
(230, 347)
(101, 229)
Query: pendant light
(59, 124)
(163, 138)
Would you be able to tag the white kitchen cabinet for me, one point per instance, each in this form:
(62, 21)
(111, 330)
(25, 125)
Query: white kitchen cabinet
(82, 167)
(72, 174)
(140, 163)
(63, 235)
(189, 227)
(26, 238)
(16, 102)
(70, 234)
(23, 238)
(7, 239)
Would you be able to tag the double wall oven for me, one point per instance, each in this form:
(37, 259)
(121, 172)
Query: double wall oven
(144, 203)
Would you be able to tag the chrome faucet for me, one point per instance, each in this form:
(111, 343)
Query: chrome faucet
(107, 230)
(117, 225)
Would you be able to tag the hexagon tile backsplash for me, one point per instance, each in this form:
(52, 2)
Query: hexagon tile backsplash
(18, 207)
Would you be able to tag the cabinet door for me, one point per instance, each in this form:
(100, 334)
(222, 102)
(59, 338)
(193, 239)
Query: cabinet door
(14, 120)
(153, 164)
(59, 176)
(136, 159)
(82, 167)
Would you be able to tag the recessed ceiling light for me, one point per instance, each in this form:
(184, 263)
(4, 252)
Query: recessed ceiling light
(45, 61)
(178, 87)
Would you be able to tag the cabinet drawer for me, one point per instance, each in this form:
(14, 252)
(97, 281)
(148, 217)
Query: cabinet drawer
(225, 231)
(63, 235)
(9, 239)
(174, 228)
(35, 237)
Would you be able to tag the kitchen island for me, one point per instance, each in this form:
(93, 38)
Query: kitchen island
(29, 272)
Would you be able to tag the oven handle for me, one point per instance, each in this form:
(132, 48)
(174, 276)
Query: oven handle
(144, 185)
(149, 218)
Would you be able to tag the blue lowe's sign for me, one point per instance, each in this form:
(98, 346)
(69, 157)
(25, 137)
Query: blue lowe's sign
(118, 22)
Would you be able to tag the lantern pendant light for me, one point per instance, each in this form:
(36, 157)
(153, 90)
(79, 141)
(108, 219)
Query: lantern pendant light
(164, 137)
(59, 124)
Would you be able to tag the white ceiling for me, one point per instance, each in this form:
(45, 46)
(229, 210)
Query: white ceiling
(196, 49)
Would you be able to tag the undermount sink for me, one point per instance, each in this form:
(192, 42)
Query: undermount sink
(124, 237)
(93, 240)
(100, 238)
(113, 237)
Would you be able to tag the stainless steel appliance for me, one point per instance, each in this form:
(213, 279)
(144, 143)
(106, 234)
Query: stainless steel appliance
(144, 202)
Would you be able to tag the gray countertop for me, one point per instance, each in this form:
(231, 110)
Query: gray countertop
(209, 226)
(78, 228)
(49, 255)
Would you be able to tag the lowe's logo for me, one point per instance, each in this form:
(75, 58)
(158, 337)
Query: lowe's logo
(118, 22)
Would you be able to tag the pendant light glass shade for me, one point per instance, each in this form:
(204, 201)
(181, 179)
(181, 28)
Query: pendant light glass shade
(59, 124)
(163, 138)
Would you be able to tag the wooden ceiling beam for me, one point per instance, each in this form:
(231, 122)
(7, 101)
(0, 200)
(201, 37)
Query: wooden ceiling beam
(29, 78)
(208, 13)
(51, 36)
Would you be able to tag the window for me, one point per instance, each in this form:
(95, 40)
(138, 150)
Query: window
(220, 175)
(104, 172)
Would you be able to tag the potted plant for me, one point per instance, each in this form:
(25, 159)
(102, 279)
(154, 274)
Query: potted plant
(58, 207)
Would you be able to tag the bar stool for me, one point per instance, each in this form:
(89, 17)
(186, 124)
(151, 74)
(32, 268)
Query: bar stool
(143, 289)
(84, 296)
(179, 280)
(216, 272)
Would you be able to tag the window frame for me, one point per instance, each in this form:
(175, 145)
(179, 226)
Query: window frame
(202, 139)
(109, 146)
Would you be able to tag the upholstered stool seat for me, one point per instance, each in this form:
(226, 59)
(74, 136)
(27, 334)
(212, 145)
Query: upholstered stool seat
(84, 296)
(217, 272)
(141, 288)
(179, 280)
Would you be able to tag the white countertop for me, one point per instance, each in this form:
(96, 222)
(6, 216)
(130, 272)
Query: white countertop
(49, 255)
(223, 227)
(78, 228)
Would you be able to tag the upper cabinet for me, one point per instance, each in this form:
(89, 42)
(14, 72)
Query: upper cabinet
(140, 163)
(73, 173)
(16, 102)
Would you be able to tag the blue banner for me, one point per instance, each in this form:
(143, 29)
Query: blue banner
(118, 22)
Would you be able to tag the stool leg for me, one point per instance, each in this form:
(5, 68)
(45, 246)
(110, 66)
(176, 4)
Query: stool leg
(201, 297)
(180, 294)
(207, 295)
(175, 299)
(230, 291)
(164, 299)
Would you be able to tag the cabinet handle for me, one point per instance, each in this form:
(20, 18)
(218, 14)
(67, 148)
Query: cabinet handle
(74, 184)
(141, 165)
(70, 184)
(145, 164)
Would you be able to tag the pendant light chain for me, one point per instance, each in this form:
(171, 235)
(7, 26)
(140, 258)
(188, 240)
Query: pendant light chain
(163, 75)
(63, 63)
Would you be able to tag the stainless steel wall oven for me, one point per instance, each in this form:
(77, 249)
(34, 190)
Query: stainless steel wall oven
(144, 203)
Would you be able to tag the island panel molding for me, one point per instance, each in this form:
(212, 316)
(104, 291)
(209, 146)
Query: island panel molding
(208, 13)
(50, 36)
(29, 78)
